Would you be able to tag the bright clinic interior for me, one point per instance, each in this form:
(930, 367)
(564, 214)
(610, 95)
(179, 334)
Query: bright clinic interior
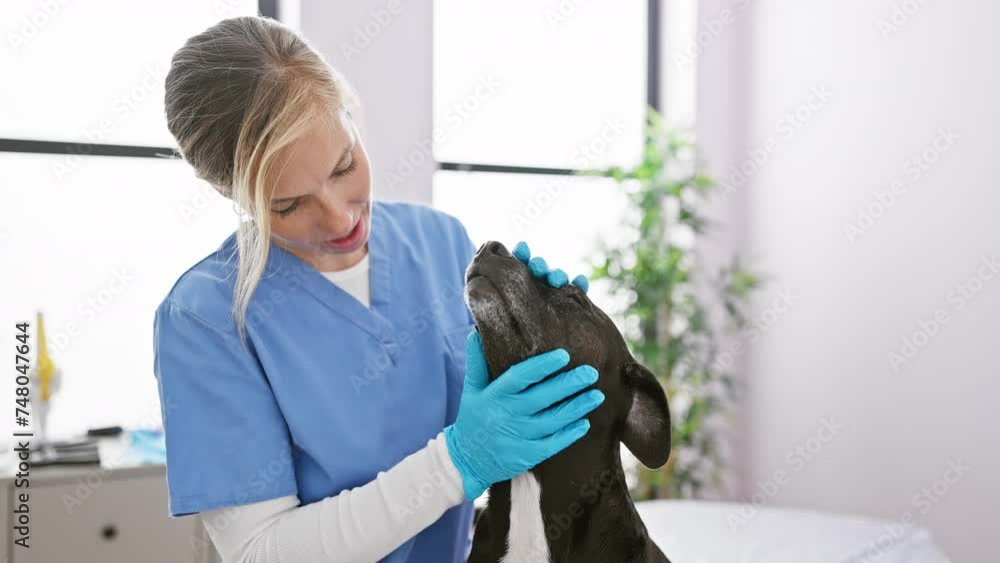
(851, 143)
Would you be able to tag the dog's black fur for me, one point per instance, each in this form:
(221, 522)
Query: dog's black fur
(586, 507)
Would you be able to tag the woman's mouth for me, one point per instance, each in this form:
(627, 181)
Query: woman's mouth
(350, 240)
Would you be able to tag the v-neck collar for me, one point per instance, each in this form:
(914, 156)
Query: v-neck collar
(373, 320)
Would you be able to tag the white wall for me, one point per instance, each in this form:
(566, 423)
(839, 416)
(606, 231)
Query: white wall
(384, 48)
(826, 356)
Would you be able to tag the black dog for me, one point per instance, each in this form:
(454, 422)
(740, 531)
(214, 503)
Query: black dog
(575, 506)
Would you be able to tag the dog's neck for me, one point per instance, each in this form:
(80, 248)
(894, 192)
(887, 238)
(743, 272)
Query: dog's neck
(585, 504)
(573, 507)
(588, 474)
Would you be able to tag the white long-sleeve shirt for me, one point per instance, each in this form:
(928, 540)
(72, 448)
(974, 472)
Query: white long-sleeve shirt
(363, 524)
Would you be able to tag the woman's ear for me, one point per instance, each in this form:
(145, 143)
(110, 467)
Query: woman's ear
(647, 424)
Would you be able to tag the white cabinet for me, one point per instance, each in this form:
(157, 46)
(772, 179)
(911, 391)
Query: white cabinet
(89, 514)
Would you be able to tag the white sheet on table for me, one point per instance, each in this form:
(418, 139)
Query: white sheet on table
(701, 532)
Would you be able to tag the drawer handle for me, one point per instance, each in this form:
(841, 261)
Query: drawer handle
(109, 532)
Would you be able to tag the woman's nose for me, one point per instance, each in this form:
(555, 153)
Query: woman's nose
(337, 219)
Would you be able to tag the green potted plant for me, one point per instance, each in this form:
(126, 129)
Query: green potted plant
(667, 319)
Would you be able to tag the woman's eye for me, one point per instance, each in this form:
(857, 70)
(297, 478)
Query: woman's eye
(289, 209)
(349, 169)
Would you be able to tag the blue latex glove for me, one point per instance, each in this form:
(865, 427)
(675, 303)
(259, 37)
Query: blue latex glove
(499, 432)
(538, 268)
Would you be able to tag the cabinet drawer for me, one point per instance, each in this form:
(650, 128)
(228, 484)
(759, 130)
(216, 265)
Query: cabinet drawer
(98, 519)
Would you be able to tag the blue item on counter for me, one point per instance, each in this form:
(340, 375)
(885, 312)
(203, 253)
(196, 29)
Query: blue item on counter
(147, 446)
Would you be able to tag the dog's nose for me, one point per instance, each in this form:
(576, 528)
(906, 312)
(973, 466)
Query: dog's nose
(493, 247)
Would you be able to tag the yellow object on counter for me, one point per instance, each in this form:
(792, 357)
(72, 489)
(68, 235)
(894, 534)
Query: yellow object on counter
(46, 369)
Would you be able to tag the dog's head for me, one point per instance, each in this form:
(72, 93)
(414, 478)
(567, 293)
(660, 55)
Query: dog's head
(519, 316)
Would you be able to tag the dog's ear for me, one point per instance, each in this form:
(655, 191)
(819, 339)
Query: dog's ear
(647, 424)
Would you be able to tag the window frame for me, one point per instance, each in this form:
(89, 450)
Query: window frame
(653, 86)
(266, 8)
(269, 8)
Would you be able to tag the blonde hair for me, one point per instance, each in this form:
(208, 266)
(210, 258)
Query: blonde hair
(236, 95)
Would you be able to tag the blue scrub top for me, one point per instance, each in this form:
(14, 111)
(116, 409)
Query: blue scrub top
(330, 392)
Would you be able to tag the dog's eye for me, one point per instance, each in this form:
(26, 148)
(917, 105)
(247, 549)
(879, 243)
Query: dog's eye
(578, 298)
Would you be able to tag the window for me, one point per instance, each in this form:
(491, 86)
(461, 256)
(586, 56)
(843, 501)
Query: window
(519, 83)
(95, 223)
(527, 93)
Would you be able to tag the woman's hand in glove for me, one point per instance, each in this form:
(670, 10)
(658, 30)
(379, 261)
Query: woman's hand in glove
(539, 269)
(500, 432)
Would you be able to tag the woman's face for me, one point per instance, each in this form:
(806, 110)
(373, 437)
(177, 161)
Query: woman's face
(321, 205)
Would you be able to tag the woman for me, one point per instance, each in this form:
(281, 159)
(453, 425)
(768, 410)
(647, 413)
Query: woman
(324, 398)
